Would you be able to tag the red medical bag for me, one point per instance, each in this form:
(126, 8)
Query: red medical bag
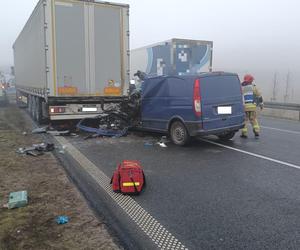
(128, 178)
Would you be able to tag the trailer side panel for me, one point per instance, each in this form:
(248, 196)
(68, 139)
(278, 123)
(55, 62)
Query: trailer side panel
(29, 53)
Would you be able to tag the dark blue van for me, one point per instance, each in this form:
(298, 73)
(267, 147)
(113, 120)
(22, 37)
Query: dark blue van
(187, 106)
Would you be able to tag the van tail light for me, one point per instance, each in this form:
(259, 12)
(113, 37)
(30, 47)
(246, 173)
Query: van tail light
(197, 98)
(57, 110)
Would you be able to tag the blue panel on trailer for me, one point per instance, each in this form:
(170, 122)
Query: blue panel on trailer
(160, 59)
(173, 57)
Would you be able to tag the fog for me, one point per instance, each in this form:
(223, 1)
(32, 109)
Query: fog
(250, 36)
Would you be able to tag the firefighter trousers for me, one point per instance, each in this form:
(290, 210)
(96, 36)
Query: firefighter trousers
(251, 116)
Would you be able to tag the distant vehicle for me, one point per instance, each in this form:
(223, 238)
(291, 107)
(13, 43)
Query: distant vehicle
(11, 91)
(71, 56)
(173, 57)
(188, 106)
(3, 97)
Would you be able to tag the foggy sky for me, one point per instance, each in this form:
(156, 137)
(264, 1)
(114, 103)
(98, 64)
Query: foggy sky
(249, 35)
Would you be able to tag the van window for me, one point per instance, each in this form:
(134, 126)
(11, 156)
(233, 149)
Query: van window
(220, 86)
(179, 87)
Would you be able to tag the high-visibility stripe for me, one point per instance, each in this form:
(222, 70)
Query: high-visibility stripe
(130, 184)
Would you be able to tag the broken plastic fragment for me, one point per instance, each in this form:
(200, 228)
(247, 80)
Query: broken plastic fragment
(39, 130)
(58, 133)
(62, 219)
(162, 144)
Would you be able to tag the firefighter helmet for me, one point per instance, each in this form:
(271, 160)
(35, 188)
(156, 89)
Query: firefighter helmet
(248, 78)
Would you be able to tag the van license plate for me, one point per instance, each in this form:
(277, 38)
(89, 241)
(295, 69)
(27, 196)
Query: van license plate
(86, 109)
(225, 110)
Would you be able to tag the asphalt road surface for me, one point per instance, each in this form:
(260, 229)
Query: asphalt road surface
(242, 194)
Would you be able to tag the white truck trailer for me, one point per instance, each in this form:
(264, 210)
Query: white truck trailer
(71, 56)
(173, 57)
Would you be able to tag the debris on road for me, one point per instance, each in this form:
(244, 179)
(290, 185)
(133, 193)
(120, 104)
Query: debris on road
(116, 119)
(60, 220)
(162, 144)
(163, 141)
(58, 133)
(50, 130)
(62, 150)
(17, 199)
(36, 149)
(24, 150)
(34, 153)
(39, 130)
(112, 124)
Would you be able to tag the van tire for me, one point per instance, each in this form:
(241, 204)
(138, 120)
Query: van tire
(227, 136)
(179, 134)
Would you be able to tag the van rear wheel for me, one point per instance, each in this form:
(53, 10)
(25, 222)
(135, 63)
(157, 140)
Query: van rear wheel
(227, 136)
(179, 134)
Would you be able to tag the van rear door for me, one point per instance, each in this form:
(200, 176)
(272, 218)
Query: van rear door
(221, 100)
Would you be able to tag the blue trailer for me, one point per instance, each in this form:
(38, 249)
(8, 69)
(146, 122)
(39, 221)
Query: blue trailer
(173, 57)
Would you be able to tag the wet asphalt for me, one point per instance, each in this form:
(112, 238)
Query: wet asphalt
(208, 197)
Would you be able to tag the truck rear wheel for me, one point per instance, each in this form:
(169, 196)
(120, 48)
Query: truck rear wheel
(179, 134)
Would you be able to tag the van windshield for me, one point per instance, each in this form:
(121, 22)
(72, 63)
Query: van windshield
(220, 86)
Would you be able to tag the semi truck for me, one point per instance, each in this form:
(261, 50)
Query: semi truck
(173, 57)
(71, 57)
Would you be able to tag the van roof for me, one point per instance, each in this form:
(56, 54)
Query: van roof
(204, 74)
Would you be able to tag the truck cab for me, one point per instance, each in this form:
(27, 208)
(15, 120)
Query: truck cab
(194, 105)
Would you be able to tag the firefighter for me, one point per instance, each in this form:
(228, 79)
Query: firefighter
(252, 99)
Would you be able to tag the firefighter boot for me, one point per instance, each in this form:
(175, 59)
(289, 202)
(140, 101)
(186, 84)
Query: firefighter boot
(244, 132)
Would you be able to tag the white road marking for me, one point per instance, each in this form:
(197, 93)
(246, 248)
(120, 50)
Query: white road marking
(252, 154)
(282, 130)
(146, 222)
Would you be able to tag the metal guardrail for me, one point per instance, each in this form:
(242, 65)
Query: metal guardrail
(283, 106)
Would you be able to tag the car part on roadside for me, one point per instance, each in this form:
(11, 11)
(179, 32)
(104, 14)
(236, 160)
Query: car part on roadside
(34, 153)
(36, 149)
(17, 199)
(162, 144)
(62, 150)
(128, 178)
(50, 130)
(39, 130)
(112, 124)
(58, 133)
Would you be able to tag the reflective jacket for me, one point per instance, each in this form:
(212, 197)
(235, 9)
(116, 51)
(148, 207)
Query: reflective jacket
(250, 94)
